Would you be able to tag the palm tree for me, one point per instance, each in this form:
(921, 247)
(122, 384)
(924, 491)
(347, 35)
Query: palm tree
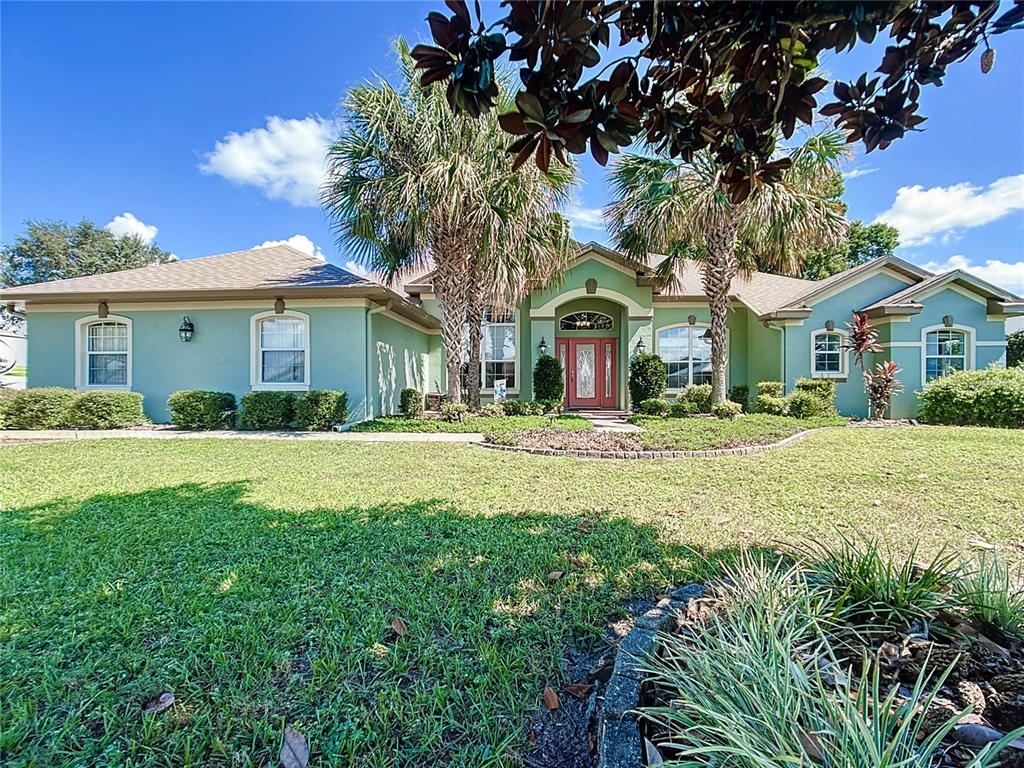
(412, 186)
(682, 209)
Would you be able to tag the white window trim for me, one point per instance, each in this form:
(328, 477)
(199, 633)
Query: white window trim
(255, 367)
(970, 344)
(844, 356)
(515, 362)
(657, 347)
(81, 352)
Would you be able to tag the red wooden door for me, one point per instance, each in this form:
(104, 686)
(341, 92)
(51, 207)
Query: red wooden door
(590, 372)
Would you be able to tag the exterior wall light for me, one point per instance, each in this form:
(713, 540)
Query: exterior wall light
(640, 347)
(279, 307)
(543, 346)
(186, 329)
(948, 321)
(830, 325)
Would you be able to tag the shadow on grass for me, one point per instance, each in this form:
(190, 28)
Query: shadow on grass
(256, 617)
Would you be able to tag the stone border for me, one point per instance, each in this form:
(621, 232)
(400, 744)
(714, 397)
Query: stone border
(619, 741)
(743, 450)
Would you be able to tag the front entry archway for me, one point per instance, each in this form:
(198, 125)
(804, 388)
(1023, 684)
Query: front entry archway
(591, 371)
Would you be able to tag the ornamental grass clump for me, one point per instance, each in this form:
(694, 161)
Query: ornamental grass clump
(991, 594)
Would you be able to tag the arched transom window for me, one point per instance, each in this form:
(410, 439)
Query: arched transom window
(586, 321)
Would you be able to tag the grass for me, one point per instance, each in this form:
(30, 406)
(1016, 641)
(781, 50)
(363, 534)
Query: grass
(258, 580)
(489, 424)
(703, 434)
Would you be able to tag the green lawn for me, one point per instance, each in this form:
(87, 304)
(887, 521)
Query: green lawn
(702, 434)
(257, 580)
(489, 424)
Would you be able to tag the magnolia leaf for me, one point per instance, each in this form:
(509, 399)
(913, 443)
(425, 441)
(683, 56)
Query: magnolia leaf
(578, 690)
(160, 703)
(551, 699)
(399, 626)
(575, 561)
(294, 751)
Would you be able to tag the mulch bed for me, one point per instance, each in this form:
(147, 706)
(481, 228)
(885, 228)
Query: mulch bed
(580, 440)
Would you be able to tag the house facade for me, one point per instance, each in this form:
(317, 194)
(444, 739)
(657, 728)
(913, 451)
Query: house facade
(275, 318)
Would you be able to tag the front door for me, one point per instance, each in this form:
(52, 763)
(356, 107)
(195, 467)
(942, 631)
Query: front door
(590, 372)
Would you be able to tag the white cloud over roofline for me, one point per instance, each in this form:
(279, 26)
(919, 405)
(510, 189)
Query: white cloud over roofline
(127, 224)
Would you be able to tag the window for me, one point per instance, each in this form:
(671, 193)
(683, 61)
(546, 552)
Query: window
(103, 353)
(828, 358)
(945, 351)
(585, 321)
(280, 351)
(686, 350)
(497, 351)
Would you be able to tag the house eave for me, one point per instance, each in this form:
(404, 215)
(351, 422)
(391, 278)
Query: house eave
(893, 310)
(1007, 308)
(794, 313)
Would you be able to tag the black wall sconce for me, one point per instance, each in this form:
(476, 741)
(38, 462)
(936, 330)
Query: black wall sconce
(186, 329)
(543, 346)
(640, 347)
(830, 325)
(947, 321)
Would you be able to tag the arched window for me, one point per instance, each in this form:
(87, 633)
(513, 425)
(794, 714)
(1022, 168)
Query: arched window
(586, 321)
(104, 353)
(280, 351)
(686, 351)
(945, 351)
(828, 358)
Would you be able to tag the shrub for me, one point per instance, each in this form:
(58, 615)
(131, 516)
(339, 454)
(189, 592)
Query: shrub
(740, 394)
(699, 395)
(201, 409)
(410, 403)
(993, 397)
(991, 595)
(548, 379)
(552, 406)
(42, 408)
(822, 388)
(802, 404)
(7, 394)
(770, 404)
(267, 410)
(454, 411)
(321, 409)
(107, 410)
(680, 409)
(523, 408)
(881, 386)
(771, 388)
(727, 409)
(1015, 348)
(647, 375)
(492, 410)
(653, 406)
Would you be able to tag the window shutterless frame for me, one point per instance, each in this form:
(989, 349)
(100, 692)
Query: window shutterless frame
(103, 353)
(279, 356)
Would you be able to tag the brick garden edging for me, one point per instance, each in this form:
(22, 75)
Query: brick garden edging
(743, 450)
(619, 742)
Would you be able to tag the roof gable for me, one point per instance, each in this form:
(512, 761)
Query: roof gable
(908, 301)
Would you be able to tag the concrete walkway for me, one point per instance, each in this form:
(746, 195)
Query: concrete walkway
(166, 433)
(609, 421)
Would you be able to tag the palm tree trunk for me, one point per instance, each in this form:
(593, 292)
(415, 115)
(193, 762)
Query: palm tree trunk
(450, 283)
(719, 269)
(475, 321)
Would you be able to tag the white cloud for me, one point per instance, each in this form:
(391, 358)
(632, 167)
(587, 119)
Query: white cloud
(585, 218)
(127, 224)
(920, 214)
(285, 160)
(356, 268)
(299, 242)
(856, 173)
(1002, 274)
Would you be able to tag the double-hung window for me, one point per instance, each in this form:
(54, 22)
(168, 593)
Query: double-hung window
(280, 351)
(945, 351)
(686, 351)
(106, 354)
(497, 350)
(828, 358)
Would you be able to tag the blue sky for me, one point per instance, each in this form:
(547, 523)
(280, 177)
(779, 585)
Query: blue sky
(203, 125)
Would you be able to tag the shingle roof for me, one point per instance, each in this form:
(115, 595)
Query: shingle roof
(761, 291)
(967, 280)
(274, 267)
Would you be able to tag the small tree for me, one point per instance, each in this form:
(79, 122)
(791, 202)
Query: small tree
(1015, 348)
(647, 375)
(548, 380)
(881, 386)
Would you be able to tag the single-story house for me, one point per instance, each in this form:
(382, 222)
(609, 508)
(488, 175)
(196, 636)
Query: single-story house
(274, 318)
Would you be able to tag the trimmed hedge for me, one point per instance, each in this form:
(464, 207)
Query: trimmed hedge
(740, 394)
(267, 410)
(410, 403)
(647, 378)
(202, 409)
(1015, 348)
(699, 395)
(825, 389)
(7, 394)
(680, 409)
(319, 410)
(548, 379)
(654, 406)
(771, 405)
(771, 388)
(42, 408)
(805, 404)
(993, 397)
(107, 410)
(523, 408)
(727, 410)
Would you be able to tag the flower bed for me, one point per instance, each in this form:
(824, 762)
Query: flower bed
(494, 425)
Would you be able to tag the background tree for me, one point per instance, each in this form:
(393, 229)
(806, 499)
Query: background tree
(53, 250)
(413, 186)
(682, 209)
(863, 242)
(1015, 348)
(670, 90)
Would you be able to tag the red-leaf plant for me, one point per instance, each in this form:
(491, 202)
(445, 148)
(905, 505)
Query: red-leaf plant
(881, 386)
(862, 338)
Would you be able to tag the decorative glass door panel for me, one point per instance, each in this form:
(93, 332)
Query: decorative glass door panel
(585, 371)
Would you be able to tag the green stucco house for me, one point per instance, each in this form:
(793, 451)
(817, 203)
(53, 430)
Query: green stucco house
(275, 318)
